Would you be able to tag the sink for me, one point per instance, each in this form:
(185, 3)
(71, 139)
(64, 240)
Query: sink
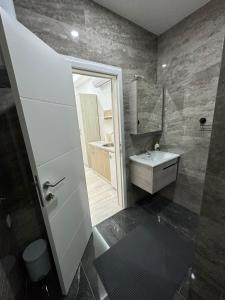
(154, 158)
(108, 145)
(154, 170)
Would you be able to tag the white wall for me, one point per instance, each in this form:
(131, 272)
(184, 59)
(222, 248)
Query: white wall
(104, 96)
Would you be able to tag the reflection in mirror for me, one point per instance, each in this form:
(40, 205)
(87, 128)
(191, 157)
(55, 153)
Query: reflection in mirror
(146, 104)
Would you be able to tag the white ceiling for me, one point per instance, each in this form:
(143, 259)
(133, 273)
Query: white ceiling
(156, 16)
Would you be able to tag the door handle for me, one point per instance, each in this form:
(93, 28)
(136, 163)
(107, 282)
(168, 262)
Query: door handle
(48, 184)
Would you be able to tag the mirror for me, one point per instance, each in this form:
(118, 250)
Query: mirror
(146, 104)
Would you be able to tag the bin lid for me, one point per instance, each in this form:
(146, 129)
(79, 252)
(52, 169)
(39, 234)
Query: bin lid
(34, 250)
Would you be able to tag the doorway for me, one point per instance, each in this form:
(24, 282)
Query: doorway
(99, 123)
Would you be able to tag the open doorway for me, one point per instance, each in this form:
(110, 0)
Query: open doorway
(99, 134)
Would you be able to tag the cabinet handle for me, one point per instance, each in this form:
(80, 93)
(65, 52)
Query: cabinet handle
(138, 122)
(170, 166)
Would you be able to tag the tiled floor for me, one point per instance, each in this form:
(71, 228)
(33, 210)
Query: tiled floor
(87, 284)
(102, 196)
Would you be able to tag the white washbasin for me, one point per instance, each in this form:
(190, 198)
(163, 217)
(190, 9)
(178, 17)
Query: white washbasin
(154, 158)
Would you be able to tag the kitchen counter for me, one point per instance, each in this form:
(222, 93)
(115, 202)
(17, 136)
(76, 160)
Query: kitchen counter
(100, 144)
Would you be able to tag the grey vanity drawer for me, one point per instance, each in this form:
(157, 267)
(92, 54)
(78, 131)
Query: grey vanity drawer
(153, 179)
(164, 175)
(141, 176)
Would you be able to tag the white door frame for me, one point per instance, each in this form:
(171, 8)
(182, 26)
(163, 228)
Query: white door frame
(90, 66)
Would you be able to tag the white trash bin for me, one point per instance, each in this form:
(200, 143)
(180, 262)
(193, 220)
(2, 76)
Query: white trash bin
(37, 260)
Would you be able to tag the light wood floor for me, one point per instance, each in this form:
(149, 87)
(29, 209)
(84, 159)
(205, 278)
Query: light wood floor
(102, 196)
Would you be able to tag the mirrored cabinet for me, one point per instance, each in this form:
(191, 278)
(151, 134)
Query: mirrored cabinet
(146, 105)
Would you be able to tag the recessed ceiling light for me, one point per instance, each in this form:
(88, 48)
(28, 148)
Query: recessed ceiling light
(74, 33)
(164, 66)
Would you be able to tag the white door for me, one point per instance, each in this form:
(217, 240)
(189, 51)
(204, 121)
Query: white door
(43, 89)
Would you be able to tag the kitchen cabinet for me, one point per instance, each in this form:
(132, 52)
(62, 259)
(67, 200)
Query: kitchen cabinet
(112, 162)
(87, 106)
(100, 161)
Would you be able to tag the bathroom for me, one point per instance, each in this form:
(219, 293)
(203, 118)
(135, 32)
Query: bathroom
(182, 51)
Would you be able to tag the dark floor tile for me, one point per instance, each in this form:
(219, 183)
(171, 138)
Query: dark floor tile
(118, 226)
(37, 290)
(185, 286)
(96, 246)
(80, 289)
(205, 288)
(156, 209)
(182, 219)
(178, 296)
(86, 283)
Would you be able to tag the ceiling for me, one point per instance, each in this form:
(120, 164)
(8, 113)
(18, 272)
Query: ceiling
(156, 16)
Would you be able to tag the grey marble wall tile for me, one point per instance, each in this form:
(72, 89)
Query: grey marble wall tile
(210, 249)
(69, 11)
(209, 264)
(104, 37)
(192, 51)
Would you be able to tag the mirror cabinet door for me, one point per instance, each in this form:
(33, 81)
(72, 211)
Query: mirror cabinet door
(146, 104)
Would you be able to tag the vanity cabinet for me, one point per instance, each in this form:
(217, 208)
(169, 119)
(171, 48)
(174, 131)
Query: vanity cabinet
(100, 161)
(153, 173)
(145, 107)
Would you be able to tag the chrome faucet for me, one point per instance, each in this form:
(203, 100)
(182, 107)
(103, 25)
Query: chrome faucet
(148, 152)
